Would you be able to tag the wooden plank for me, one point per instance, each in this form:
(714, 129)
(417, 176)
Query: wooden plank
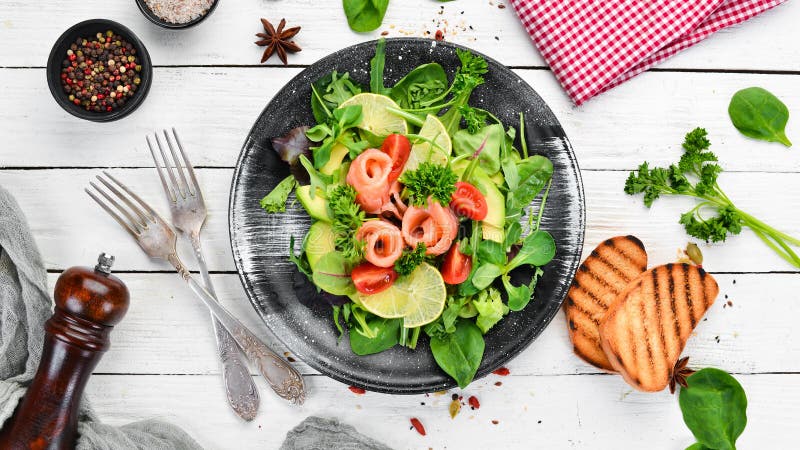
(561, 412)
(167, 330)
(227, 36)
(214, 108)
(70, 228)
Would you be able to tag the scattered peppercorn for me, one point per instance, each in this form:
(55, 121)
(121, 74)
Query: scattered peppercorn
(473, 402)
(357, 390)
(439, 35)
(498, 383)
(418, 426)
(101, 73)
(454, 397)
(495, 422)
(503, 371)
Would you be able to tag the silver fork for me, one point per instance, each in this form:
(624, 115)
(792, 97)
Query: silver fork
(158, 240)
(188, 215)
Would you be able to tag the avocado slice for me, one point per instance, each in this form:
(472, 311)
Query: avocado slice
(319, 241)
(495, 219)
(338, 152)
(316, 207)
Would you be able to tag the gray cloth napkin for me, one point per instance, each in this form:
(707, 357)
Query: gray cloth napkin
(24, 307)
(316, 433)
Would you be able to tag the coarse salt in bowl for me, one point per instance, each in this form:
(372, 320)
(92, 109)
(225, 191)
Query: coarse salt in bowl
(176, 14)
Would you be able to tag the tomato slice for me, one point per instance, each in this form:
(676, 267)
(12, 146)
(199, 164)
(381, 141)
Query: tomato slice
(371, 279)
(398, 147)
(456, 266)
(468, 201)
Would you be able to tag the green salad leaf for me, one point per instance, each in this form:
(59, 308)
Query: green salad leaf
(365, 15)
(376, 66)
(422, 85)
(758, 114)
(485, 274)
(485, 143)
(275, 201)
(533, 174)
(538, 249)
(331, 274)
(714, 408)
(387, 335)
(490, 307)
(329, 92)
(459, 353)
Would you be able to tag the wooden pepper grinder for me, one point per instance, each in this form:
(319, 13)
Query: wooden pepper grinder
(89, 302)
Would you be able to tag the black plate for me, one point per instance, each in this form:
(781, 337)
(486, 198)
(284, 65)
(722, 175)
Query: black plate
(260, 242)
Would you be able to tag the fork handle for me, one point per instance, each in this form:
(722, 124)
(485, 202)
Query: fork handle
(281, 376)
(239, 387)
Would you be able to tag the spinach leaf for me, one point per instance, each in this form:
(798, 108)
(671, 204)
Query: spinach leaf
(459, 354)
(376, 66)
(758, 114)
(491, 252)
(423, 84)
(538, 249)
(485, 275)
(332, 275)
(275, 201)
(364, 15)
(714, 408)
(533, 173)
(486, 143)
(697, 446)
(387, 336)
(490, 309)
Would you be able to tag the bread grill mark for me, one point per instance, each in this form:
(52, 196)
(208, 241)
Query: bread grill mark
(675, 322)
(688, 290)
(586, 313)
(643, 312)
(577, 284)
(657, 298)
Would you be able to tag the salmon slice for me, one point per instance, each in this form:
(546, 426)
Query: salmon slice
(383, 242)
(369, 175)
(435, 225)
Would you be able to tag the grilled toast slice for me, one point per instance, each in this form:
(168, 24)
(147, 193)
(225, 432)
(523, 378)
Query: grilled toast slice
(646, 329)
(604, 274)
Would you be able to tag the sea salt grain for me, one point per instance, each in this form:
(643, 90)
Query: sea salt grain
(179, 11)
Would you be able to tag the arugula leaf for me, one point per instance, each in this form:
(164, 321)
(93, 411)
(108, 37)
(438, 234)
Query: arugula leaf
(332, 274)
(329, 92)
(300, 261)
(460, 353)
(333, 131)
(490, 308)
(513, 233)
(538, 249)
(695, 175)
(485, 274)
(319, 181)
(410, 259)
(387, 336)
(359, 322)
(429, 180)
(364, 15)
(275, 201)
(758, 114)
(376, 66)
(714, 408)
(337, 310)
(423, 84)
(485, 145)
(347, 219)
(534, 173)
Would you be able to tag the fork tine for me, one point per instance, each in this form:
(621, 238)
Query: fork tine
(177, 163)
(168, 168)
(111, 212)
(187, 164)
(143, 219)
(154, 217)
(170, 194)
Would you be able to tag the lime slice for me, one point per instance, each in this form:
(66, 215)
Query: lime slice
(434, 130)
(418, 297)
(377, 119)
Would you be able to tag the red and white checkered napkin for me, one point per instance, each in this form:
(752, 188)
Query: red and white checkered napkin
(594, 45)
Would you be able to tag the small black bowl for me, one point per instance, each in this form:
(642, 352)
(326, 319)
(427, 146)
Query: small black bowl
(152, 17)
(87, 29)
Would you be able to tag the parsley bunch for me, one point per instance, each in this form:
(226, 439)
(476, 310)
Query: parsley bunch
(695, 175)
(429, 180)
(410, 259)
(347, 219)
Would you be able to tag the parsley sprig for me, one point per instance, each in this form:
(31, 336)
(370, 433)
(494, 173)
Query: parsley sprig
(429, 180)
(410, 259)
(347, 219)
(695, 175)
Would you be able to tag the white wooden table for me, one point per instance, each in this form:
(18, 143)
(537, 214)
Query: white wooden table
(208, 84)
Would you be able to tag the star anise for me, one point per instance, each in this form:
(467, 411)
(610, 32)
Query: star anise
(277, 41)
(679, 374)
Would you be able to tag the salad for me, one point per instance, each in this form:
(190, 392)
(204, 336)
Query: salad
(421, 207)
